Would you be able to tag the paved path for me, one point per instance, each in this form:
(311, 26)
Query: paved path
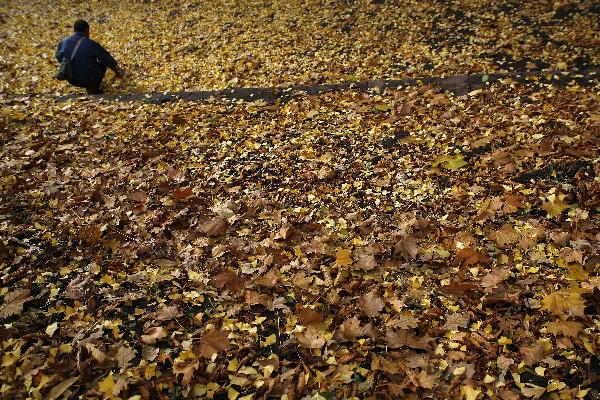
(458, 85)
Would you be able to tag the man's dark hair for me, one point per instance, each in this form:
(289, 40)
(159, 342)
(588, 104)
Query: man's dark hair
(81, 26)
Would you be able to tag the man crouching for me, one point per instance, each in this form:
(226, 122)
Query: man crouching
(86, 58)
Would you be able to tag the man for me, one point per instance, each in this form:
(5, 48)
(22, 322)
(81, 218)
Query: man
(90, 61)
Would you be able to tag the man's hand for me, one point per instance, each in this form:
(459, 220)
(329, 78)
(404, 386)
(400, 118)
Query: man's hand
(119, 73)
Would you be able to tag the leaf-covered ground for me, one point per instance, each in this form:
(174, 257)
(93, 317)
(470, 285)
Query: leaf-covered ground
(369, 245)
(190, 45)
(405, 243)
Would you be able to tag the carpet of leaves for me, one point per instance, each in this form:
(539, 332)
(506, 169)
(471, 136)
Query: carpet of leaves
(191, 45)
(409, 244)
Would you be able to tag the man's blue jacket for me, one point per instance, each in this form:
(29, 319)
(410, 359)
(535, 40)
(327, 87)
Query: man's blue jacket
(90, 62)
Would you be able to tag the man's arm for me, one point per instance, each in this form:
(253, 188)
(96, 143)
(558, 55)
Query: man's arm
(59, 52)
(104, 57)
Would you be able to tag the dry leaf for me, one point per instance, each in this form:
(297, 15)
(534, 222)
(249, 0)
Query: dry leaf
(371, 304)
(214, 341)
(154, 334)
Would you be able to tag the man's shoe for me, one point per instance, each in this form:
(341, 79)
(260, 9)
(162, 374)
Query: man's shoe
(94, 91)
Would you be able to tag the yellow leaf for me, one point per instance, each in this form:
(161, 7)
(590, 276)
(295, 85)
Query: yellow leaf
(232, 394)
(554, 209)
(59, 389)
(50, 329)
(566, 328)
(106, 386)
(448, 162)
(343, 257)
(268, 341)
(469, 393)
(561, 301)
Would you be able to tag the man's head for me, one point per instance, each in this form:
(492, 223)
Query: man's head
(82, 26)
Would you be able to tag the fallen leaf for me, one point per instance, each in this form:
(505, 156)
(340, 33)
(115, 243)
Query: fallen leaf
(13, 302)
(124, 357)
(154, 334)
(565, 328)
(371, 304)
(310, 338)
(186, 368)
(215, 227)
(214, 341)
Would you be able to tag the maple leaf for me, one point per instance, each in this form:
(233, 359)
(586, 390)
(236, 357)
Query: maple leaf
(96, 353)
(230, 280)
(456, 320)
(14, 302)
(268, 280)
(493, 278)
(561, 301)
(532, 354)
(154, 334)
(214, 341)
(215, 227)
(124, 356)
(555, 208)
(406, 247)
(343, 257)
(472, 257)
(365, 261)
(565, 328)
(308, 316)
(180, 194)
(506, 235)
(166, 313)
(405, 337)
(349, 330)
(403, 321)
(310, 338)
(186, 368)
(371, 304)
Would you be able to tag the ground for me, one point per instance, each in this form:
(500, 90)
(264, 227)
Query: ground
(383, 242)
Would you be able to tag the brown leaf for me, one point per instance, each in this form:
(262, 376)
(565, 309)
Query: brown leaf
(365, 261)
(229, 280)
(124, 357)
(14, 302)
(149, 353)
(371, 304)
(349, 330)
(565, 328)
(405, 337)
(506, 235)
(310, 338)
(472, 257)
(139, 196)
(493, 278)
(180, 194)
(186, 368)
(403, 321)
(215, 227)
(407, 248)
(59, 389)
(532, 354)
(214, 341)
(456, 320)
(268, 280)
(154, 334)
(96, 353)
(166, 313)
(308, 316)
